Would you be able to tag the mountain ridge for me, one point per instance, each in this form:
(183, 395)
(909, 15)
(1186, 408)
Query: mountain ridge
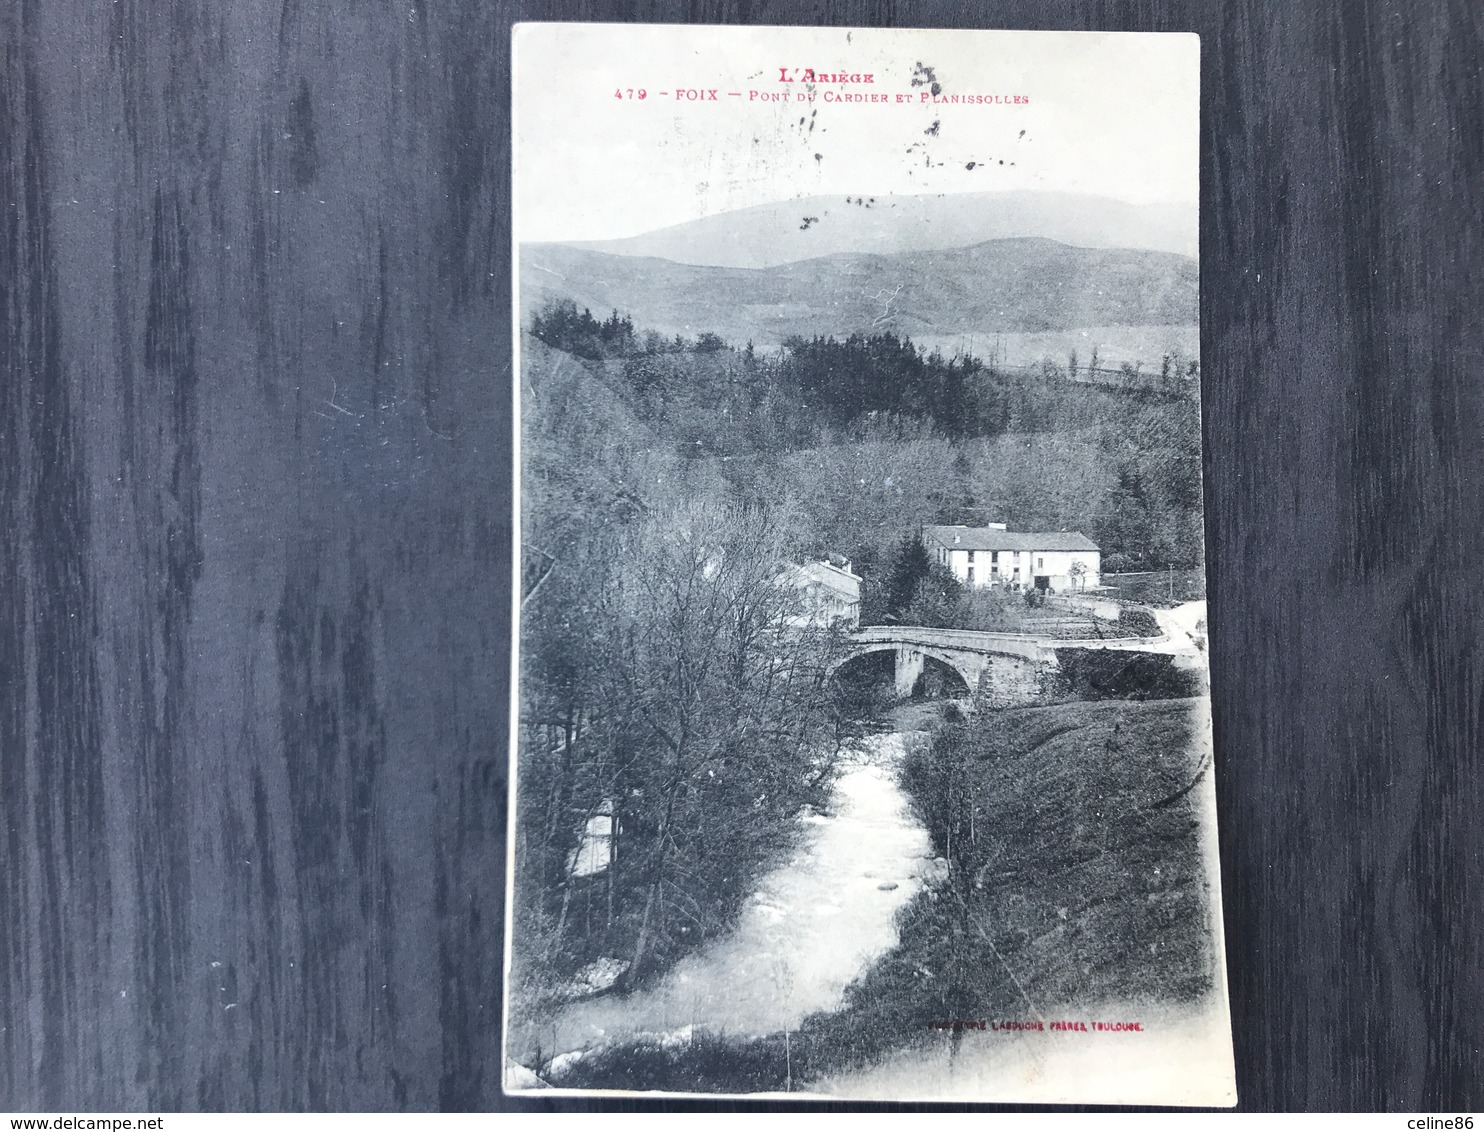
(1011, 285)
(779, 232)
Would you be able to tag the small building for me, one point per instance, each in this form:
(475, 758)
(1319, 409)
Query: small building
(831, 593)
(1062, 561)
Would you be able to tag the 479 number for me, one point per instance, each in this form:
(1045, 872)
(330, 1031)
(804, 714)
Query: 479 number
(631, 92)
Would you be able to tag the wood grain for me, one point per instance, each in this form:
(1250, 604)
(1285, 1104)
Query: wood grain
(254, 504)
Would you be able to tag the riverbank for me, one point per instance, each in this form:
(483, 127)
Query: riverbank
(809, 928)
(1075, 884)
(1077, 877)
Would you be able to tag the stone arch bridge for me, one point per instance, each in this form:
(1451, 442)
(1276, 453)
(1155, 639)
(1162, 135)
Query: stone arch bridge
(1014, 661)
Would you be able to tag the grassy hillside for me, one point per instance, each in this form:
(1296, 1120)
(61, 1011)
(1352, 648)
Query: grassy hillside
(1019, 285)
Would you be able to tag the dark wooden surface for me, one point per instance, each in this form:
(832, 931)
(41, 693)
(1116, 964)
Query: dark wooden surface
(254, 538)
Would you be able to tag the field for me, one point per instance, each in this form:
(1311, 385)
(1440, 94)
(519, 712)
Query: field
(1159, 588)
(1143, 345)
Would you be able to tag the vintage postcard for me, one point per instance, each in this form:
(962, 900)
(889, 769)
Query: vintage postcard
(862, 745)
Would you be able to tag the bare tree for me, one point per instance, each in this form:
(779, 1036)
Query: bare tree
(673, 688)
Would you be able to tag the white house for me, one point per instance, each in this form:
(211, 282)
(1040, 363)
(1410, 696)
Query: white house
(1064, 561)
(831, 593)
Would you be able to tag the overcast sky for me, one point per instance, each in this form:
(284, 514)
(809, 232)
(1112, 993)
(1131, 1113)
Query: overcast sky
(1116, 114)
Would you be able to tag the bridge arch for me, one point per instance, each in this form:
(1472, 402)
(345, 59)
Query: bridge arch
(908, 661)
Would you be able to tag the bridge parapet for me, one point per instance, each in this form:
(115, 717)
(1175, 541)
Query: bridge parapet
(1133, 644)
(971, 640)
(1013, 644)
(1009, 659)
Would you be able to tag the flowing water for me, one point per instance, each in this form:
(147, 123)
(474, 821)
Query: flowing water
(811, 926)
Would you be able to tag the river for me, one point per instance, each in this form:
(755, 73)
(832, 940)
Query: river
(811, 926)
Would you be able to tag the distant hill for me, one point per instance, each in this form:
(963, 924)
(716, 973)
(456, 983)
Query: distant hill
(1012, 285)
(1115, 345)
(771, 234)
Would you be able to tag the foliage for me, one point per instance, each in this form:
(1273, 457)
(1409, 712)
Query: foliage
(678, 698)
(1072, 839)
(870, 435)
(560, 326)
(1109, 674)
(667, 685)
(1071, 836)
(911, 569)
(1136, 622)
(916, 589)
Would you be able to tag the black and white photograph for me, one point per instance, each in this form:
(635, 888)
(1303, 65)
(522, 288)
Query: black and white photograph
(861, 742)
(717, 559)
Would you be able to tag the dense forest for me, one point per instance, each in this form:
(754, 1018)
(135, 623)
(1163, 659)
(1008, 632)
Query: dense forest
(871, 436)
(673, 717)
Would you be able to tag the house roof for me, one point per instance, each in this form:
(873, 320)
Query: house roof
(992, 538)
(829, 576)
